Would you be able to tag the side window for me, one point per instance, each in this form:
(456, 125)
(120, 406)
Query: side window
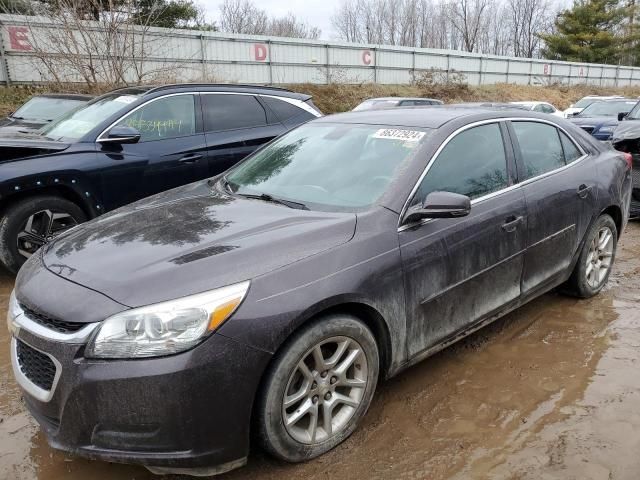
(227, 112)
(540, 147)
(549, 108)
(473, 163)
(571, 152)
(167, 117)
(539, 108)
(283, 110)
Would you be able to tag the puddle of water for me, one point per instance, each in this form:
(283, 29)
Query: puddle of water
(547, 387)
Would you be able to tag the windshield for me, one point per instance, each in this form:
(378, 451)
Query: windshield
(634, 114)
(584, 102)
(329, 166)
(78, 123)
(375, 105)
(607, 109)
(44, 109)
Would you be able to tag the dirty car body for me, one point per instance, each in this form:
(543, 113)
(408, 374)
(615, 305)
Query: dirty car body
(346, 240)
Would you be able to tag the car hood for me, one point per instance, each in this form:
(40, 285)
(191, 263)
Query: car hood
(627, 130)
(189, 240)
(594, 121)
(16, 143)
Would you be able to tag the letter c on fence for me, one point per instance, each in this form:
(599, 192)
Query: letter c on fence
(260, 51)
(366, 57)
(19, 38)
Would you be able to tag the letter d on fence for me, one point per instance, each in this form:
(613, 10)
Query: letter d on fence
(260, 51)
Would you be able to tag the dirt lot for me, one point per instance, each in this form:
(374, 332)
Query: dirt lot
(550, 392)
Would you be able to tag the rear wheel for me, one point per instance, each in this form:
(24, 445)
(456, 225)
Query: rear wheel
(28, 224)
(596, 259)
(318, 388)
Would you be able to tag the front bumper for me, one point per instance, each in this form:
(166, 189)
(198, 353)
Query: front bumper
(186, 413)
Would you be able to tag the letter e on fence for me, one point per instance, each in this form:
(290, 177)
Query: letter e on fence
(366, 57)
(260, 52)
(19, 38)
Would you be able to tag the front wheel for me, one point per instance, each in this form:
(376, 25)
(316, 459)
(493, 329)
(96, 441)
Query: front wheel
(318, 388)
(28, 224)
(596, 259)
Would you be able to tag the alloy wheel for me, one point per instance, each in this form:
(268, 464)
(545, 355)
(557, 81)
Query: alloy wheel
(40, 228)
(324, 390)
(599, 257)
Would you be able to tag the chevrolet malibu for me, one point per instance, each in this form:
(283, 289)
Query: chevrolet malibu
(272, 299)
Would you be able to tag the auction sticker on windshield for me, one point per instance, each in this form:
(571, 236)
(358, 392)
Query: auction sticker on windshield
(397, 134)
(125, 99)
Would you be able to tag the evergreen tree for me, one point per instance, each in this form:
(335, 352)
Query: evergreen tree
(591, 31)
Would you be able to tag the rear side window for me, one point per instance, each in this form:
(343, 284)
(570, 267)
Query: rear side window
(540, 148)
(283, 110)
(228, 112)
(571, 152)
(473, 163)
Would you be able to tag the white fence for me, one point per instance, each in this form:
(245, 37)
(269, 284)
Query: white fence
(192, 55)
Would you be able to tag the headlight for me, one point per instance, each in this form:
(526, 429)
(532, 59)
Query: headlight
(166, 328)
(13, 312)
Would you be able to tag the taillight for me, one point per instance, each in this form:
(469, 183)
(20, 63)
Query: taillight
(629, 159)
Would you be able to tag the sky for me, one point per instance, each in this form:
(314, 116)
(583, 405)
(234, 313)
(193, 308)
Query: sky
(315, 12)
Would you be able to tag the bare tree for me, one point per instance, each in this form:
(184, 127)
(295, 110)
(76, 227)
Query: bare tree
(467, 17)
(243, 16)
(113, 51)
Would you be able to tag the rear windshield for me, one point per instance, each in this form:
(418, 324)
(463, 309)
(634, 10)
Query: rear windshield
(375, 105)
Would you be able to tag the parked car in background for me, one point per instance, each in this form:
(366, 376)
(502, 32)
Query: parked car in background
(392, 102)
(492, 105)
(601, 118)
(129, 144)
(283, 290)
(542, 107)
(626, 138)
(584, 102)
(40, 110)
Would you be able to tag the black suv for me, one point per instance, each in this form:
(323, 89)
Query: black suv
(129, 144)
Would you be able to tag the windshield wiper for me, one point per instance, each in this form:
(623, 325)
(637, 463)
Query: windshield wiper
(270, 198)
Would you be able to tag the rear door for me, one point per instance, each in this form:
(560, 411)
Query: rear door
(171, 151)
(558, 180)
(235, 125)
(461, 270)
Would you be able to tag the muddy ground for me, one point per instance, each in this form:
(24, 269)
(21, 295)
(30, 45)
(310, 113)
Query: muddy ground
(552, 391)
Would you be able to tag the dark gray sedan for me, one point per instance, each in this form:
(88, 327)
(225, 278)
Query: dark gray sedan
(272, 299)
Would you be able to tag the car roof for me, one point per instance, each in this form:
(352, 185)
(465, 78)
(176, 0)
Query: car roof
(400, 99)
(212, 87)
(426, 117)
(530, 103)
(66, 96)
(618, 99)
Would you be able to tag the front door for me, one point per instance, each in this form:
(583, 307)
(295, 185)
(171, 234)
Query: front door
(172, 147)
(458, 271)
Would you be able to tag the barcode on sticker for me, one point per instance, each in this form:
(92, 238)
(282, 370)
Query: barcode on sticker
(397, 134)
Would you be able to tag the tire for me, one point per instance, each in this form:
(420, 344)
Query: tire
(13, 226)
(295, 442)
(582, 282)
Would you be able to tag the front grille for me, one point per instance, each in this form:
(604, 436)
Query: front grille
(59, 326)
(635, 178)
(588, 129)
(35, 365)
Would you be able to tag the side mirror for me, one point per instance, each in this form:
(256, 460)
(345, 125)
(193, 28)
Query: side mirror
(622, 116)
(440, 205)
(122, 134)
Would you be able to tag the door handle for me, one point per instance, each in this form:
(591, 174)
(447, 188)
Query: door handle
(583, 190)
(191, 158)
(511, 223)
